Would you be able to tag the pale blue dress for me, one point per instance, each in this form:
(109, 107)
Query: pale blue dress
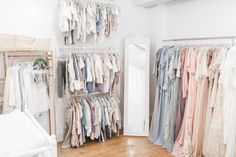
(162, 95)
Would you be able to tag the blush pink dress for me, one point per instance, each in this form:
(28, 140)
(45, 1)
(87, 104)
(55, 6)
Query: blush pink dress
(191, 104)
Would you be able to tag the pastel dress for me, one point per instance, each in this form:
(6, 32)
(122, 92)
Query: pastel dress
(182, 100)
(191, 104)
(171, 108)
(157, 71)
(202, 100)
(214, 146)
(163, 82)
(213, 137)
(228, 79)
(178, 147)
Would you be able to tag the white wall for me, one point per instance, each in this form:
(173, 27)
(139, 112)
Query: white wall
(195, 18)
(28, 17)
(38, 18)
(198, 18)
(201, 18)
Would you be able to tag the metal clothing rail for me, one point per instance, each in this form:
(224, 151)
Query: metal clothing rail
(102, 2)
(65, 51)
(201, 38)
(49, 57)
(94, 94)
(87, 49)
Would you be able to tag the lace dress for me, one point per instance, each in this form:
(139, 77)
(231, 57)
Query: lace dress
(213, 144)
(228, 80)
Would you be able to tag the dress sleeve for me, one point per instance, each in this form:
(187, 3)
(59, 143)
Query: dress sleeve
(157, 62)
(180, 62)
(233, 68)
(172, 67)
(193, 61)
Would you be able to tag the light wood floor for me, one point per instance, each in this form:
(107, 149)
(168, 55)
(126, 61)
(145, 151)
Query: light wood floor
(117, 147)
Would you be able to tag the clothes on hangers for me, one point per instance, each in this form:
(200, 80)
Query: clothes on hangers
(86, 20)
(193, 113)
(61, 78)
(227, 80)
(89, 72)
(92, 118)
(26, 86)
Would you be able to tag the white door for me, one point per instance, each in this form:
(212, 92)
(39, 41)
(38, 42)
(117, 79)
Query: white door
(136, 109)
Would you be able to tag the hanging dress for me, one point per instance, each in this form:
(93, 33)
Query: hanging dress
(155, 117)
(213, 144)
(202, 99)
(228, 79)
(162, 61)
(191, 103)
(170, 117)
(182, 100)
(178, 147)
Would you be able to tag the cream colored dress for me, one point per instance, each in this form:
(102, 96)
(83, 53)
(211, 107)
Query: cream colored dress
(213, 141)
(228, 80)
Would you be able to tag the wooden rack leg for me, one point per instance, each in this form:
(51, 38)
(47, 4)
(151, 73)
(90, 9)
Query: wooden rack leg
(6, 63)
(53, 91)
(52, 112)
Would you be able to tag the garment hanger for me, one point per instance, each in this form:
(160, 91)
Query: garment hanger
(232, 44)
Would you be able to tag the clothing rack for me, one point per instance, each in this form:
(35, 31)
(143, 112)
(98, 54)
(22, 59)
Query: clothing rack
(49, 57)
(86, 49)
(104, 124)
(201, 38)
(84, 95)
(65, 51)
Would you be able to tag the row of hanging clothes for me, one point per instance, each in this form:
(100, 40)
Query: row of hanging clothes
(88, 73)
(194, 113)
(84, 20)
(92, 118)
(25, 85)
